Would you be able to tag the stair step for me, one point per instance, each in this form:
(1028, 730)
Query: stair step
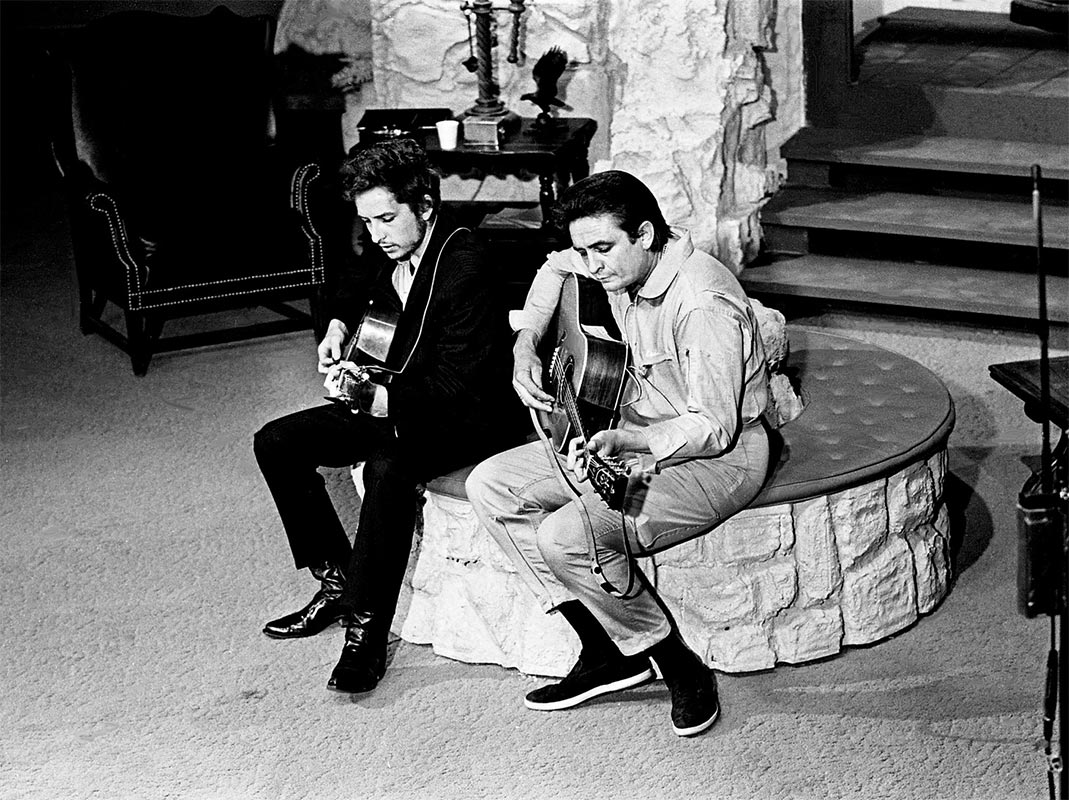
(934, 153)
(919, 22)
(902, 109)
(922, 215)
(908, 286)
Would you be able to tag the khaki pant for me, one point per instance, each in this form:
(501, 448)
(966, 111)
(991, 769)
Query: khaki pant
(539, 522)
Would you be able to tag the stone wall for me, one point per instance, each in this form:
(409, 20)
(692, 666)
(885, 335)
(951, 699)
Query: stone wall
(680, 90)
(788, 583)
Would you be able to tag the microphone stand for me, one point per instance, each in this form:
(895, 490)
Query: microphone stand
(1043, 554)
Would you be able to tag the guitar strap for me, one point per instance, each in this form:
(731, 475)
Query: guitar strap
(592, 545)
(629, 558)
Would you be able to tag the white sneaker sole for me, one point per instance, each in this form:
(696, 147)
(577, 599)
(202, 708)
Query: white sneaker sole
(694, 730)
(607, 688)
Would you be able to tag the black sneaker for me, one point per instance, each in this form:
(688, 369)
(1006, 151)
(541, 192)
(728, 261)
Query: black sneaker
(585, 682)
(695, 703)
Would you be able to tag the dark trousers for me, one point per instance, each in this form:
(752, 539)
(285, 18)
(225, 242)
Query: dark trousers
(289, 451)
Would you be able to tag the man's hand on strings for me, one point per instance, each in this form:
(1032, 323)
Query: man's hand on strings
(330, 349)
(363, 393)
(353, 384)
(605, 444)
(527, 373)
(576, 458)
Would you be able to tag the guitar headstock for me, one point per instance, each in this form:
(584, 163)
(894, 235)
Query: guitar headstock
(608, 476)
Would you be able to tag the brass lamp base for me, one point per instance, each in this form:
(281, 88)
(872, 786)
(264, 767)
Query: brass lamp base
(489, 131)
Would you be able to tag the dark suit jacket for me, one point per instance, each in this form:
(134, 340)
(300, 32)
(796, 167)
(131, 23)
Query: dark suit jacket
(453, 403)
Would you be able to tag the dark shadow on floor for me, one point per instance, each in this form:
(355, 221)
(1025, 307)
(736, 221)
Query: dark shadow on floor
(970, 519)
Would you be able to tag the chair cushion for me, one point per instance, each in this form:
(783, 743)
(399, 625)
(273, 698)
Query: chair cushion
(452, 483)
(233, 232)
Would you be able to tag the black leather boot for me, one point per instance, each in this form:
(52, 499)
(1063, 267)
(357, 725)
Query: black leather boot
(363, 657)
(318, 615)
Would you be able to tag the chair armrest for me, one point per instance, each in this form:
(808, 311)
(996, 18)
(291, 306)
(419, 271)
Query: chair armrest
(302, 188)
(128, 251)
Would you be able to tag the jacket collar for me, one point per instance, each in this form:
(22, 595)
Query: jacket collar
(678, 249)
(444, 224)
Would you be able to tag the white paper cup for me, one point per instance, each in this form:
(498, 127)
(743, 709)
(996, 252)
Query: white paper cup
(447, 133)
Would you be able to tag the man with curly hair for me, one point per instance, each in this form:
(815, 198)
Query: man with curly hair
(442, 402)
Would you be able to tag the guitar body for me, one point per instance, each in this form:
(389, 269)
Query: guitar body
(371, 343)
(595, 367)
(368, 348)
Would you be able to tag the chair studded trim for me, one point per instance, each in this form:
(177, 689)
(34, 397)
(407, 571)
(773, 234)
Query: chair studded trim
(141, 298)
(120, 240)
(183, 201)
(300, 186)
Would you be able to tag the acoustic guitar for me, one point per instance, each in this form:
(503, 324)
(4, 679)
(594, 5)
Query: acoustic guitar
(368, 348)
(371, 343)
(586, 375)
(373, 338)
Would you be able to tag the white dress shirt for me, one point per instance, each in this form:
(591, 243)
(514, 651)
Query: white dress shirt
(404, 274)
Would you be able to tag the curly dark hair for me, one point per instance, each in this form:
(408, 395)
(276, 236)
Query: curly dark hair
(616, 194)
(398, 165)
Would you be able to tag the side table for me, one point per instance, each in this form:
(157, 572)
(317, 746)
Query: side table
(1022, 378)
(556, 155)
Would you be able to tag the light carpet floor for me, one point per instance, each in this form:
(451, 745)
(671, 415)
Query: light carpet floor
(141, 555)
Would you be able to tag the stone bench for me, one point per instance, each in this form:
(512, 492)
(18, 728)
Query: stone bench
(846, 545)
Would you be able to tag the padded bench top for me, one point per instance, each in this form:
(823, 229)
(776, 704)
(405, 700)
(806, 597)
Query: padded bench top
(869, 413)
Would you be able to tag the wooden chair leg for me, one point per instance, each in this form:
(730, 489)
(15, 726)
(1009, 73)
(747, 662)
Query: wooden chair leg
(318, 307)
(90, 308)
(142, 333)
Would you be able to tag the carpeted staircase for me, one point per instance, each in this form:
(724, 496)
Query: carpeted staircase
(912, 190)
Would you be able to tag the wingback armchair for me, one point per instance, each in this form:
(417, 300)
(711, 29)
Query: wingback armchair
(181, 202)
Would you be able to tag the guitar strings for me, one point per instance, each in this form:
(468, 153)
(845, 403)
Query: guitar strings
(566, 396)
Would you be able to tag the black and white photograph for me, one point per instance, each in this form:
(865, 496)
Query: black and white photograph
(534, 399)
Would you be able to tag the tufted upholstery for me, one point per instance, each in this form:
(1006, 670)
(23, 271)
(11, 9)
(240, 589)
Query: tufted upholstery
(868, 412)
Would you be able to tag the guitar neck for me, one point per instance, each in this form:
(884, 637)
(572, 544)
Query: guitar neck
(571, 408)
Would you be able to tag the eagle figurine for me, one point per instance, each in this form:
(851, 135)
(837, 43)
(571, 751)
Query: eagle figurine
(546, 72)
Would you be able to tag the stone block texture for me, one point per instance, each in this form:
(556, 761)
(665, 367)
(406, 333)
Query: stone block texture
(779, 584)
(680, 90)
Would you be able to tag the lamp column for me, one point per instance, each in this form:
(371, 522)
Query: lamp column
(488, 122)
